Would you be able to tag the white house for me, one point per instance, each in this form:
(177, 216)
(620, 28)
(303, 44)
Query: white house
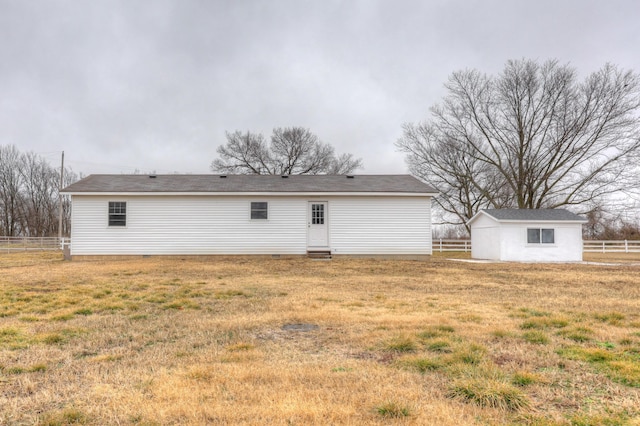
(387, 215)
(526, 235)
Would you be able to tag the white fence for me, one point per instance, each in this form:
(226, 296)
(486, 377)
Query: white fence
(621, 246)
(589, 246)
(441, 245)
(12, 244)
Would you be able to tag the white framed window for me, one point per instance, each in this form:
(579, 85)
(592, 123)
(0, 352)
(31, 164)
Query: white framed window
(259, 210)
(541, 236)
(117, 213)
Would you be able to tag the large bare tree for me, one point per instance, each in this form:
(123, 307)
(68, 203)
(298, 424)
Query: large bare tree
(533, 136)
(292, 151)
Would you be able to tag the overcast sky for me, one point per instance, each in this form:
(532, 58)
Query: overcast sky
(154, 84)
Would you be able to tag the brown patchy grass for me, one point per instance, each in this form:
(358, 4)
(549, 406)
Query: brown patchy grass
(201, 341)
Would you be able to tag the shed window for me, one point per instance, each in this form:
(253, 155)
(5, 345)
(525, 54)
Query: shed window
(117, 213)
(259, 210)
(540, 236)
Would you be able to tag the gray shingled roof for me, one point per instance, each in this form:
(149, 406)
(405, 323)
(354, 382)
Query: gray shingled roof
(249, 183)
(533, 215)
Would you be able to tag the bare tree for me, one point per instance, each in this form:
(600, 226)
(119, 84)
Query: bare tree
(293, 150)
(531, 137)
(10, 191)
(29, 204)
(40, 196)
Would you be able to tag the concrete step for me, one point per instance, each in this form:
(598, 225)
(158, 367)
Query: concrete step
(319, 254)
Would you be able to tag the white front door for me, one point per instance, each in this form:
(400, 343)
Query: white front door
(317, 224)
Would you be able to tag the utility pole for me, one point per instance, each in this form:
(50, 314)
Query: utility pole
(60, 198)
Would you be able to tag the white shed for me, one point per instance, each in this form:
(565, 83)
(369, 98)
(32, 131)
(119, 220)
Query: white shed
(370, 215)
(527, 235)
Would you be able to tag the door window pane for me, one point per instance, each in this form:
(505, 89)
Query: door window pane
(317, 214)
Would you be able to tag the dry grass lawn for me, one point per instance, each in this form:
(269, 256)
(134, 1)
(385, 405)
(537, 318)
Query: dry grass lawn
(161, 341)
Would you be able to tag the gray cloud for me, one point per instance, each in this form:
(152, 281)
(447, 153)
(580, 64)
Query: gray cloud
(154, 85)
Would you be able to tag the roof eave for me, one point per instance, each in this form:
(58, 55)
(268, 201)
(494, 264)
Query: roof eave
(252, 193)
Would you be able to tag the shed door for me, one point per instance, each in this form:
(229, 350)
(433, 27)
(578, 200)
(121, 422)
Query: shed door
(317, 224)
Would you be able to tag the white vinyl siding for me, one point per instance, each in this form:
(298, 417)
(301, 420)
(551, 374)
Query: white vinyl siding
(188, 225)
(380, 225)
(183, 225)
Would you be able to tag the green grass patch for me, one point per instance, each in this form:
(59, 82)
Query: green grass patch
(436, 331)
(13, 338)
(622, 367)
(101, 294)
(544, 323)
(83, 311)
(401, 344)
(535, 337)
(182, 304)
(600, 420)
(524, 378)
(68, 416)
(501, 334)
(393, 410)
(422, 364)
(228, 294)
(14, 370)
(52, 338)
(489, 393)
(613, 318)
(472, 354)
(443, 346)
(586, 354)
(62, 317)
(577, 334)
(528, 312)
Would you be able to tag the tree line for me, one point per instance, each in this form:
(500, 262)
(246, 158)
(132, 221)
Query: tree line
(29, 205)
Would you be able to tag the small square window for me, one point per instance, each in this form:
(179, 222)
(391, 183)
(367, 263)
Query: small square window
(117, 213)
(259, 210)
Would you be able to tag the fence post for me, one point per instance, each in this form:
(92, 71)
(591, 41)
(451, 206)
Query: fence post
(626, 246)
(603, 250)
(440, 245)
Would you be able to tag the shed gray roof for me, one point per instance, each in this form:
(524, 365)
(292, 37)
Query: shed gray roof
(249, 183)
(531, 215)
